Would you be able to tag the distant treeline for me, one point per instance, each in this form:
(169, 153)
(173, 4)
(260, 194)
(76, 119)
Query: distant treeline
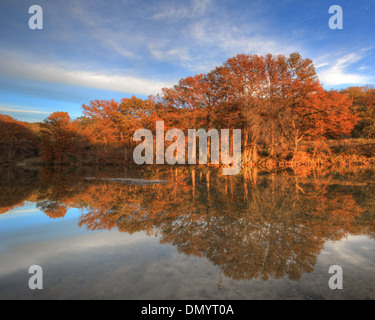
(277, 101)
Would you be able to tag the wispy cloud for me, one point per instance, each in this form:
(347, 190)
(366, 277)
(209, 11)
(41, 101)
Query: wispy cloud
(195, 35)
(61, 73)
(20, 109)
(338, 74)
(106, 37)
(177, 56)
(173, 10)
(129, 47)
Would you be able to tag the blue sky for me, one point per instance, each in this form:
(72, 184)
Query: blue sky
(90, 49)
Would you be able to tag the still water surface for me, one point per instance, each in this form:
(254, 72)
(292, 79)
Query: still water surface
(199, 235)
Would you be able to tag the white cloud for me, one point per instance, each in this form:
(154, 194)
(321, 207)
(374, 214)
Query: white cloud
(337, 73)
(18, 67)
(173, 11)
(196, 35)
(177, 56)
(19, 109)
(225, 36)
(321, 65)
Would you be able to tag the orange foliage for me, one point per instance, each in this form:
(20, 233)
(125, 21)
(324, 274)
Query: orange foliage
(277, 101)
(17, 141)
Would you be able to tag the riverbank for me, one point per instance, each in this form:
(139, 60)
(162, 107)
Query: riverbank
(330, 153)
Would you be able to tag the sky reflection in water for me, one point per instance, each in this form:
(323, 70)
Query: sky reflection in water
(199, 236)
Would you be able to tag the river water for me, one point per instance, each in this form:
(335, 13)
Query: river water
(195, 235)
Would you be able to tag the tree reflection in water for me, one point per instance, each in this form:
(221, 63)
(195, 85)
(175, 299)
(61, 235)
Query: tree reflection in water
(254, 225)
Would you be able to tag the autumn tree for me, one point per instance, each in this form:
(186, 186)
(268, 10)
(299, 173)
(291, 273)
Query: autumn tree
(364, 108)
(255, 93)
(322, 115)
(59, 142)
(263, 91)
(278, 101)
(17, 141)
(110, 125)
(134, 113)
(101, 129)
(188, 104)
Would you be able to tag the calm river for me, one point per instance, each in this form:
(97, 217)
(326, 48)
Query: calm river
(187, 234)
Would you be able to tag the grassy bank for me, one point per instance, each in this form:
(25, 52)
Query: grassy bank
(345, 152)
(335, 153)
